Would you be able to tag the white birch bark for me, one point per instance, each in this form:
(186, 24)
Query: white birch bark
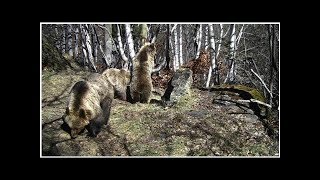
(198, 39)
(206, 43)
(220, 40)
(130, 41)
(94, 41)
(88, 47)
(123, 56)
(213, 56)
(83, 46)
(76, 41)
(180, 46)
(230, 74)
(176, 52)
(238, 40)
(173, 28)
(108, 44)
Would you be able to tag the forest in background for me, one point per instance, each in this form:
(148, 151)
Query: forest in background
(246, 54)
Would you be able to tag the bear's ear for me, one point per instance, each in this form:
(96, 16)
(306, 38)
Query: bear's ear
(85, 114)
(152, 46)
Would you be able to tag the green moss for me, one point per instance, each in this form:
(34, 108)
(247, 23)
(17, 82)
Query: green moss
(186, 101)
(255, 93)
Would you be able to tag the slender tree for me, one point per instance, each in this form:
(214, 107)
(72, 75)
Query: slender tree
(180, 46)
(87, 45)
(130, 41)
(123, 56)
(168, 47)
(198, 40)
(176, 49)
(76, 41)
(108, 44)
(69, 40)
(212, 54)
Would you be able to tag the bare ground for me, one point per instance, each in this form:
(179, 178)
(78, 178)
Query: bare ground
(194, 127)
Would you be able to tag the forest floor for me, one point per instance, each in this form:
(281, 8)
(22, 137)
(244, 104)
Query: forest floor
(194, 127)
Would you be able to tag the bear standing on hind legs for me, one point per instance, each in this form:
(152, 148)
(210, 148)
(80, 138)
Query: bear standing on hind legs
(141, 84)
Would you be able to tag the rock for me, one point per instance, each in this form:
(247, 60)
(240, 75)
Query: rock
(178, 86)
(198, 114)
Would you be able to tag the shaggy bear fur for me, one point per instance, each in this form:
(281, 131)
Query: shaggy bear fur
(141, 84)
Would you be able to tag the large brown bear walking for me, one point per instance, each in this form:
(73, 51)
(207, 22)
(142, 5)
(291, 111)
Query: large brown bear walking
(84, 106)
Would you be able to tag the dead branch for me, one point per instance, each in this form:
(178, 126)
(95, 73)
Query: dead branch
(161, 65)
(264, 84)
(256, 101)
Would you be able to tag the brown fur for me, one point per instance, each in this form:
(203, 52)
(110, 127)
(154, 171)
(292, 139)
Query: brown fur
(119, 78)
(141, 85)
(85, 101)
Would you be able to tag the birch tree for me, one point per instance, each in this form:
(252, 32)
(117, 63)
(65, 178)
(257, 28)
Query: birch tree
(63, 42)
(130, 41)
(121, 50)
(108, 44)
(87, 49)
(272, 44)
(94, 40)
(206, 43)
(176, 51)
(69, 40)
(168, 39)
(180, 46)
(212, 54)
(76, 41)
(143, 34)
(58, 42)
(234, 41)
(198, 40)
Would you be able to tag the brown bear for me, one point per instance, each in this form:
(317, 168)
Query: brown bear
(141, 84)
(120, 79)
(89, 105)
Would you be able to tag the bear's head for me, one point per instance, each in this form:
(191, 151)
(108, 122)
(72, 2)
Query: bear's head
(151, 49)
(77, 120)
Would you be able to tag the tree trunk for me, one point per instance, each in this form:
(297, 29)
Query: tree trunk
(198, 40)
(76, 42)
(272, 54)
(206, 43)
(212, 54)
(230, 75)
(176, 52)
(108, 44)
(156, 33)
(130, 41)
(69, 40)
(123, 56)
(168, 47)
(83, 46)
(220, 40)
(87, 45)
(180, 46)
(143, 34)
(63, 42)
(58, 42)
